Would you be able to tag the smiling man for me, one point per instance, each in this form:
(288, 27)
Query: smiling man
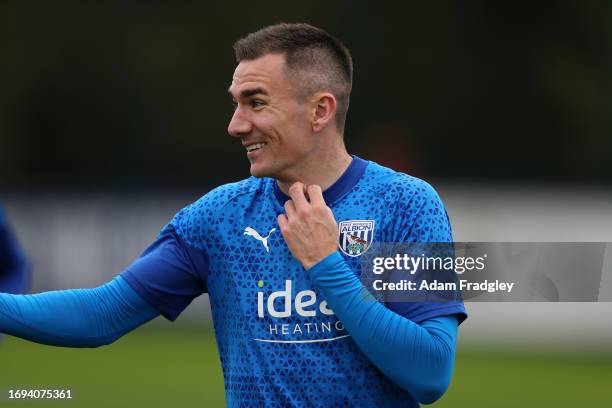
(293, 326)
(279, 108)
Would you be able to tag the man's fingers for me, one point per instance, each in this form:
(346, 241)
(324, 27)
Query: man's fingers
(296, 192)
(282, 222)
(290, 209)
(316, 195)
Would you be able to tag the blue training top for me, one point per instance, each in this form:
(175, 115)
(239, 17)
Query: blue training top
(279, 342)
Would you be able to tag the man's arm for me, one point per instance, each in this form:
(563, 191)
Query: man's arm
(75, 318)
(418, 357)
(163, 280)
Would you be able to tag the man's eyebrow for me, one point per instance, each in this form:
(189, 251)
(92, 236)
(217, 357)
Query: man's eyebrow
(246, 93)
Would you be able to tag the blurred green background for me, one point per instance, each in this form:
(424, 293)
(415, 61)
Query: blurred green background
(133, 94)
(113, 116)
(153, 367)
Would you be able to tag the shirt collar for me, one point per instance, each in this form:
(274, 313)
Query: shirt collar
(340, 187)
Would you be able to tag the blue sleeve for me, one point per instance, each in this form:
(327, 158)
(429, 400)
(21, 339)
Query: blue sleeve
(75, 318)
(417, 357)
(14, 276)
(420, 218)
(169, 274)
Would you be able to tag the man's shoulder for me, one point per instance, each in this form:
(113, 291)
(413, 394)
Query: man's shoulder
(416, 212)
(224, 194)
(394, 184)
(198, 214)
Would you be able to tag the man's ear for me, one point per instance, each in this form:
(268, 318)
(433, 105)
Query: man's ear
(324, 110)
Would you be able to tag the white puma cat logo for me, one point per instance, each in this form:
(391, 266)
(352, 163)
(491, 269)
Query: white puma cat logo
(264, 241)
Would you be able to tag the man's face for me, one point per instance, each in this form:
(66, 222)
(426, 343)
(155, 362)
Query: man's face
(273, 124)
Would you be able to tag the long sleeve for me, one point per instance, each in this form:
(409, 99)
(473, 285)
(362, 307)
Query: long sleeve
(75, 318)
(417, 357)
(14, 275)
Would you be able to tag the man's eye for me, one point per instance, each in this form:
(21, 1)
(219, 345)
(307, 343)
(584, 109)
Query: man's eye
(234, 105)
(256, 103)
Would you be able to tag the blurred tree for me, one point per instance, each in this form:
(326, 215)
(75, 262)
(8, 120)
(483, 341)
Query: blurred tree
(134, 94)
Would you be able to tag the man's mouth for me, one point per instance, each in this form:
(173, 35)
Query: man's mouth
(254, 146)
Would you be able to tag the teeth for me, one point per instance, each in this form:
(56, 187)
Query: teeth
(254, 147)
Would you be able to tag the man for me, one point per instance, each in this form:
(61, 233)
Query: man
(292, 325)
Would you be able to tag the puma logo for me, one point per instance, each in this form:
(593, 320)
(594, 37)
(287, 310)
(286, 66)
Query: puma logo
(264, 240)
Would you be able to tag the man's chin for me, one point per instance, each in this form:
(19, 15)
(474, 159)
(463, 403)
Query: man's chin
(259, 171)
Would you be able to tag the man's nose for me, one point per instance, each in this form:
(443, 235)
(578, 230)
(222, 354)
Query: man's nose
(239, 125)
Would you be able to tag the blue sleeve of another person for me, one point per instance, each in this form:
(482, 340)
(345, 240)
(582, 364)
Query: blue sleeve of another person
(14, 276)
(169, 274)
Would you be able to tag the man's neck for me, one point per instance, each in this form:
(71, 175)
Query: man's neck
(324, 171)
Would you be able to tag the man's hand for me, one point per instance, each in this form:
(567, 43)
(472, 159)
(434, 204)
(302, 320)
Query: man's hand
(309, 227)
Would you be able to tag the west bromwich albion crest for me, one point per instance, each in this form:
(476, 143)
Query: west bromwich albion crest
(355, 236)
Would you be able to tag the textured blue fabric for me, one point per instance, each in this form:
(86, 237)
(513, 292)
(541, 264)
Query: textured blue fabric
(419, 358)
(75, 318)
(174, 270)
(279, 342)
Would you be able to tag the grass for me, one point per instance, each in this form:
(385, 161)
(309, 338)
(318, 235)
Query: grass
(155, 367)
(530, 378)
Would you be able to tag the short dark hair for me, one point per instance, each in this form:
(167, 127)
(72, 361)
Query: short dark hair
(314, 59)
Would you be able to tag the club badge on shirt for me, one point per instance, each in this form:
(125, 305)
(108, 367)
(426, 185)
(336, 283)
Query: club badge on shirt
(355, 236)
